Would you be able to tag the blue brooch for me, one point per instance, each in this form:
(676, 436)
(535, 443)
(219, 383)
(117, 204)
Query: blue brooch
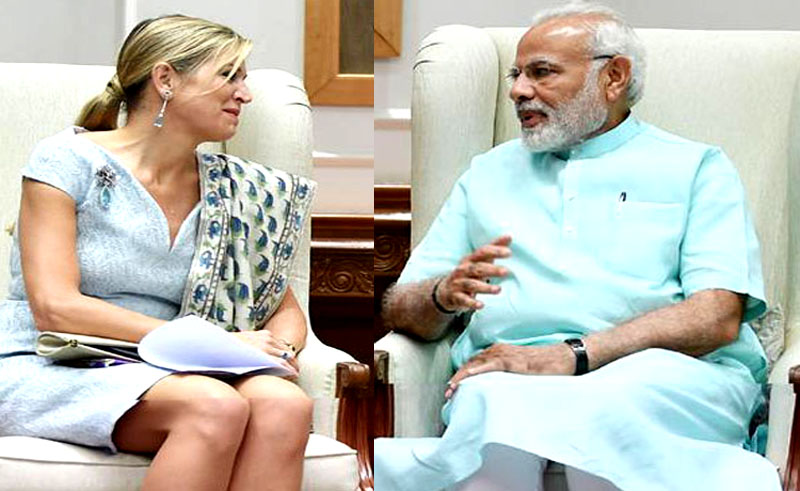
(106, 179)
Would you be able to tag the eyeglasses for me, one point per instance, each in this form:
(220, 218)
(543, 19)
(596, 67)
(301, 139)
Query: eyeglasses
(539, 72)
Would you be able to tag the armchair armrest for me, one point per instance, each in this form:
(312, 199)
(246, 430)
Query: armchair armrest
(417, 374)
(318, 378)
(791, 475)
(782, 405)
(340, 388)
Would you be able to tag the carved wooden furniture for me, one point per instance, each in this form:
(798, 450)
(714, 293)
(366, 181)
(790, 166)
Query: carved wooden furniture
(342, 283)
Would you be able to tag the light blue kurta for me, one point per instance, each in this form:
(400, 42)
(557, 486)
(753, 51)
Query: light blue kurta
(125, 258)
(627, 222)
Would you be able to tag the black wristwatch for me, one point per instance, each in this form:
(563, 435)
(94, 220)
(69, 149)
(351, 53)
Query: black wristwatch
(581, 358)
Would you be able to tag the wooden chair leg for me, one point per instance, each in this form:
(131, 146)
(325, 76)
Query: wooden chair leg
(352, 426)
(791, 476)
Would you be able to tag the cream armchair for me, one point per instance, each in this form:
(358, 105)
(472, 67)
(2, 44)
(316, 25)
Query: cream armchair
(734, 89)
(38, 100)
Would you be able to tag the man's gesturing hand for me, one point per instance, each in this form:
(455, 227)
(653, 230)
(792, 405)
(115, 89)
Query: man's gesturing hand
(458, 289)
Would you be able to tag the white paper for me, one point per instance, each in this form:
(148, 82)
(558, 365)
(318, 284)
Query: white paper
(192, 344)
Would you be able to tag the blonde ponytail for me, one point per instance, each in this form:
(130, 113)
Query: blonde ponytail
(101, 112)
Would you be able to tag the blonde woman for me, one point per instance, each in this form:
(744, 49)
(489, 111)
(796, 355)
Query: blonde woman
(117, 233)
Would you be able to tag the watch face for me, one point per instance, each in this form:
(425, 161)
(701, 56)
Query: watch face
(575, 342)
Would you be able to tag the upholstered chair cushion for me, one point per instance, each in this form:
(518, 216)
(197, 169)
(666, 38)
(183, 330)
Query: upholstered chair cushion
(35, 464)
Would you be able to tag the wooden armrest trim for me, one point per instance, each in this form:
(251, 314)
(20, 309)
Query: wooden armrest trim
(384, 397)
(381, 365)
(791, 475)
(352, 376)
(794, 377)
(352, 426)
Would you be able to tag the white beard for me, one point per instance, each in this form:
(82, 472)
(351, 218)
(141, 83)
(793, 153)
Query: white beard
(570, 122)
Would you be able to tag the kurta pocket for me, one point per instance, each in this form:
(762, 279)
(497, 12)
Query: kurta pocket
(644, 239)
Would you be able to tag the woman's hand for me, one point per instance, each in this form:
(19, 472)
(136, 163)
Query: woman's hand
(264, 341)
(552, 359)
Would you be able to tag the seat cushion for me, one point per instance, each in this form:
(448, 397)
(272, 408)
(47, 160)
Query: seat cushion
(35, 464)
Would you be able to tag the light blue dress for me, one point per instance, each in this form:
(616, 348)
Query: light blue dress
(125, 258)
(627, 222)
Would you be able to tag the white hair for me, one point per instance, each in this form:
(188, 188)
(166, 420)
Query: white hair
(610, 35)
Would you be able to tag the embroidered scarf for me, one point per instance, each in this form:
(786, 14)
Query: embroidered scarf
(251, 223)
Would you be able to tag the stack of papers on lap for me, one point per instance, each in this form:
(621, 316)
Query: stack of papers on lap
(191, 344)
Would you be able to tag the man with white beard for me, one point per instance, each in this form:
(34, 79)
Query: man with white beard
(606, 270)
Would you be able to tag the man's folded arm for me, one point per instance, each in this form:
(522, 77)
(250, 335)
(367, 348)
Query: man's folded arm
(719, 257)
(704, 322)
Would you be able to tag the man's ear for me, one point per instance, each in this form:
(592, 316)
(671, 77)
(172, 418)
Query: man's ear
(618, 76)
(164, 77)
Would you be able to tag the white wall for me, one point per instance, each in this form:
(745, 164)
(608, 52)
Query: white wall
(275, 26)
(420, 17)
(44, 31)
(91, 31)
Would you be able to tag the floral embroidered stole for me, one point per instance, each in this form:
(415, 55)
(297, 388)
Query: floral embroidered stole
(251, 224)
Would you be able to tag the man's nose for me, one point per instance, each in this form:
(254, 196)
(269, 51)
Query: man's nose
(522, 89)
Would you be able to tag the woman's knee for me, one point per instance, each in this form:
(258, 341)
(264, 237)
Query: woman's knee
(218, 422)
(190, 406)
(208, 408)
(272, 388)
(278, 406)
(284, 423)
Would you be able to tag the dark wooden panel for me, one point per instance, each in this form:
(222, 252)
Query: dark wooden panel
(392, 242)
(344, 323)
(342, 227)
(342, 282)
(392, 199)
(342, 269)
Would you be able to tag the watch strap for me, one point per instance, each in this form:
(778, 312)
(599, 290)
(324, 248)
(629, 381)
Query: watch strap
(581, 357)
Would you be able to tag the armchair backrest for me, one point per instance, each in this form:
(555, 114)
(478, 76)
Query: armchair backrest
(734, 89)
(38, 100)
